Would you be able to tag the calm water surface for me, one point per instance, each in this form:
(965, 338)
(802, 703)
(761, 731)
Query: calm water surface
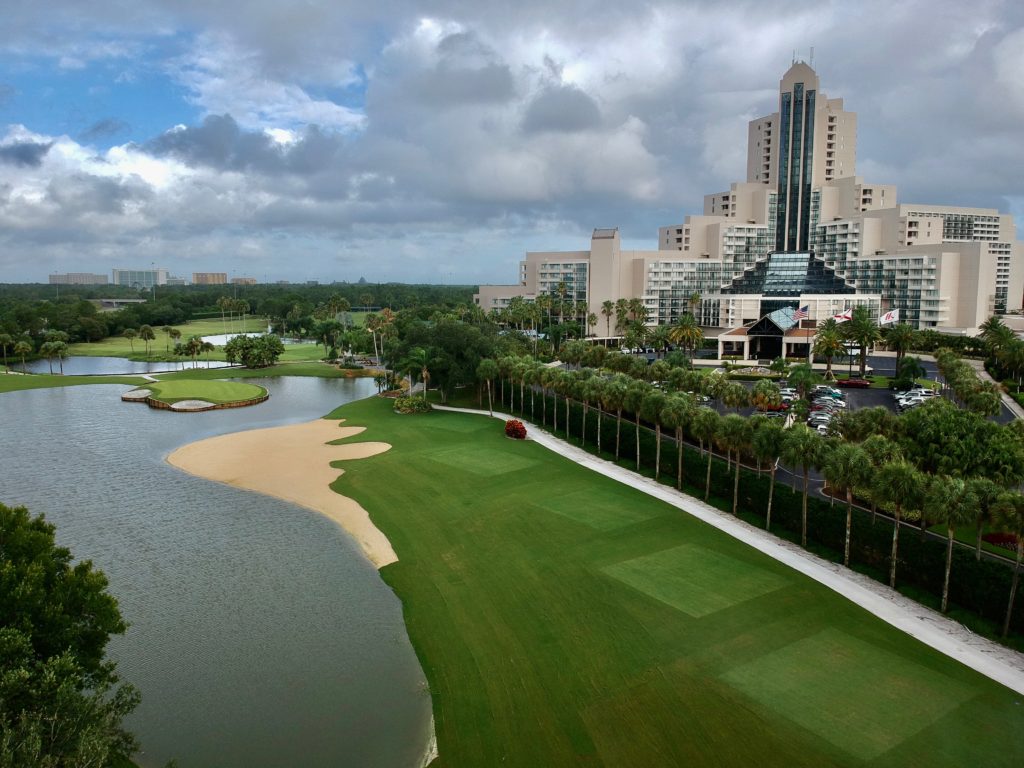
(260, 635)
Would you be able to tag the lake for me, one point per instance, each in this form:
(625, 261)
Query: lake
(260, 635)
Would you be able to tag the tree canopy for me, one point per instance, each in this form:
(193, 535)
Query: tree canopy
(60, 702)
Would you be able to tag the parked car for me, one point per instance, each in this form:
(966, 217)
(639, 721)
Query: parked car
(853, 383)
(821, 389)
(781, 408)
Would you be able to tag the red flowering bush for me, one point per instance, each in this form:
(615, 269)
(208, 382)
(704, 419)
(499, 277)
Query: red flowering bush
(1001, 539)
(514, 428)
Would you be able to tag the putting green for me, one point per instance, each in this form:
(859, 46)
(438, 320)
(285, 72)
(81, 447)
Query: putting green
(218, 392)
(695, 580)
(886, 698)
(603, 514)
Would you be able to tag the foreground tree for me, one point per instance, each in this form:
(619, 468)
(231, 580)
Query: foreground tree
(1009, 515)
(899, 484)
(60, 702)
(950, 500)
(848, 467)
(487, 371)
(768, 445)
(705, 426)
(806, 449)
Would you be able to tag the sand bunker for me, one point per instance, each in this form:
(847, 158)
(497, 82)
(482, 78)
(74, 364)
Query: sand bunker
(292, 463)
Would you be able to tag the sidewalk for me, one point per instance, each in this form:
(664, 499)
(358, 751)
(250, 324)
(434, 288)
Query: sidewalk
(1001, 664)
(1011, 405)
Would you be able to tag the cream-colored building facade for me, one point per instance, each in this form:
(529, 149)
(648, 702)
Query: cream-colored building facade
(802, 230)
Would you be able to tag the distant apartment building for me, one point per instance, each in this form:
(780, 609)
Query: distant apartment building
(209, 278)
(243, 281)
(78, 278)
(140, 278)
(802, 230)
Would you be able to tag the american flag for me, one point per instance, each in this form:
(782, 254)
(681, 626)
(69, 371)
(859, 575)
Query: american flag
(801, 314)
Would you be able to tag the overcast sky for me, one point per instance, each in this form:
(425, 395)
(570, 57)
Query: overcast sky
(438, 141)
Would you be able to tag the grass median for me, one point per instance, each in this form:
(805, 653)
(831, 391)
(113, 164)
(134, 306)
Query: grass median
(565, 619)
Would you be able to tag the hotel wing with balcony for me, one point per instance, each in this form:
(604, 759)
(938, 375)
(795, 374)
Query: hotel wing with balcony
(803, 229)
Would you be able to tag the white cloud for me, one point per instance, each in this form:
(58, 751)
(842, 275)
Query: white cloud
(226, 78)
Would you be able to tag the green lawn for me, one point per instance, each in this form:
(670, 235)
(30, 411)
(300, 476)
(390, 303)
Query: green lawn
(14, 383)
(118, 346)
(211, 391)
(321, 370)
(563, 619)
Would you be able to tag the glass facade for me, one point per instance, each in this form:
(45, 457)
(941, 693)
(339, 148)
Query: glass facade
(789, 274)
(796, 164)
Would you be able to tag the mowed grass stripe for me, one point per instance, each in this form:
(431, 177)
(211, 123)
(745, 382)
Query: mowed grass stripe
(605, 514)
(695, 580)
(885, 698)
(537, 657)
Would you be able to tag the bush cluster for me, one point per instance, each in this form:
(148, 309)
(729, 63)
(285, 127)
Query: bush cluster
(411, 405)
(514, 428)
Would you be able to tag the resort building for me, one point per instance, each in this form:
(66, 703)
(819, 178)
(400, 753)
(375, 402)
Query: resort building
(78, 278)
(209, 278)
(802, 230)
(140, 278)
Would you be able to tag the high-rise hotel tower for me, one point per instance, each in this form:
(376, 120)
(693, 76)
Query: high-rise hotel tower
(802, 230)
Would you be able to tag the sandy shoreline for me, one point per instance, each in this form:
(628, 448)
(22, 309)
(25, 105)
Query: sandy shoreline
(292, 463)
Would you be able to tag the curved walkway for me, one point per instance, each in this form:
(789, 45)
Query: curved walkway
(997, 662)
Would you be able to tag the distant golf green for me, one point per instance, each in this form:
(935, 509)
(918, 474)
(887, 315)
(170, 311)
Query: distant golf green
(563, 619)
(218, 392)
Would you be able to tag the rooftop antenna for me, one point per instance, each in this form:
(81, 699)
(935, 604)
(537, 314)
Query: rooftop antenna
(812, 57)
(794, 56)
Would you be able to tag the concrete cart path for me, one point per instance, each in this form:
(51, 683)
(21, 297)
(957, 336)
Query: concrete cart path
(997, 662)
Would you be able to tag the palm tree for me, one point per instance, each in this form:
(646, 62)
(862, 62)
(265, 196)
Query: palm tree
(6, 340)
(848, 466)
(803, 378)
(594, 390)
(175, 334)
(207, 347)
(419, 359)
(688, 333)
(736, 434)
(167, 341)
(805, 448)
(613, 397)
(881, 451)
(735, 395)
(652, 406)
(675, 415)
(951, 501)
(548, 382)
(22, 348)
(607, 310)
(899, 484)
(827, 344)
(900, 338)
(147, 335)
(566, 383)
(636, 393)
(766, 395)
(864, 331)
(767, 445)
(130, 334)
(987, 493)
(705, 425)
(1009, 515)
(48, 351)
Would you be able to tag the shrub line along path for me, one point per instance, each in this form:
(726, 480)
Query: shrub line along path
(996, 662)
